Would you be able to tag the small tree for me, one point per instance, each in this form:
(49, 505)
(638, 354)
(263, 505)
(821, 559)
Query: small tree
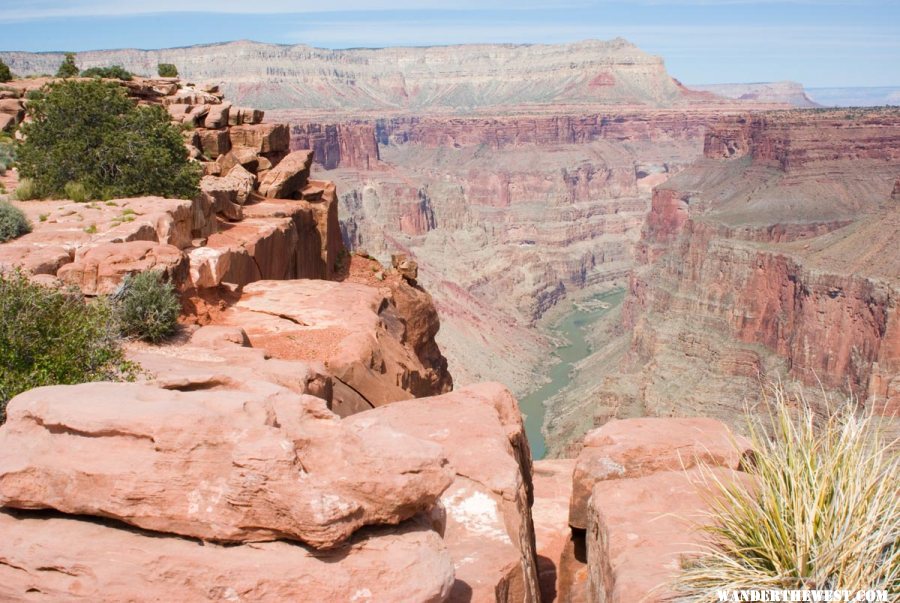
(91, 132)
(68, 67)
(167, 70)
(5, 73)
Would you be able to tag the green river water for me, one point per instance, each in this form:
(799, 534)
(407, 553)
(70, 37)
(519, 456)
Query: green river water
(571, 329)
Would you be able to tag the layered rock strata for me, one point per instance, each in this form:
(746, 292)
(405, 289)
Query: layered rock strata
(772, 258)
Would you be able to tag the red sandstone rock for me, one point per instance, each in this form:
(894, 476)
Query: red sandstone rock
(93, 562)
(214, 142)
(287, 178)
(641, 529)
(638, 447)
(262, 138)
(489, 531)
(231, 466)
(102, 269)
(244, 115)
(217, 116)
(361, 334)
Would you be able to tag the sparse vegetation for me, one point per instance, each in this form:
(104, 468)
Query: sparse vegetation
(824, 515)
(92, 229)
(90, 132)
(49, 337)
(7, 153)
(68, 68)
(76, 192)
(167, 70)
(25, 190)
(5, 73)
(148, 307)
(13, 222)
(115, 72)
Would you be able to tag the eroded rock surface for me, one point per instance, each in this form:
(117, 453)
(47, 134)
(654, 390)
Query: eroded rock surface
(489, 530)
(225, 466)
(56, 558)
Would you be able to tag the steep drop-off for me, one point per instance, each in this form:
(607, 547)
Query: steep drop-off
(775, 256)
(506, 216)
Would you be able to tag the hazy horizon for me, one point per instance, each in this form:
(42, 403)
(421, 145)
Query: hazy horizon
(825, 43)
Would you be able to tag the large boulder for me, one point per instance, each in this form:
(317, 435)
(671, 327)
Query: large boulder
(101, 269)
(487, 509)
(287, 178)
(637, 447)
(225, 466)
(641, 530)
(68, 559)
(262, 138)
(213, 142)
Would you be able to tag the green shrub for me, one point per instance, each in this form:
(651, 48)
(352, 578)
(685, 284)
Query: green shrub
(824, 514)
(68, 68)
(51, 337)
(167, 70)
(91, 132)
(5, 73)
(76, 192)
(147, 307)
(115, 72)
(7, 153)
(13, 222)
(34, 95)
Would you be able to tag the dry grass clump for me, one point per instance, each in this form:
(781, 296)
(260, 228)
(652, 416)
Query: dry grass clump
(825, 512)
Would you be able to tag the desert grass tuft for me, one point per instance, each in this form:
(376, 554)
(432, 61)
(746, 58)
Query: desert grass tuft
(824, 512)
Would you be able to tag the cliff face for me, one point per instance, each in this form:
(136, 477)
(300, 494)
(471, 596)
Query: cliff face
(777, 260)
(506, 216)
(454, 78)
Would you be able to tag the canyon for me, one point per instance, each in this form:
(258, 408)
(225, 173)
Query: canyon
(380, 264)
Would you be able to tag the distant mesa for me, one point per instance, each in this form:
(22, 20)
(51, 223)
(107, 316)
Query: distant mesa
(790, 93)
(465, 78)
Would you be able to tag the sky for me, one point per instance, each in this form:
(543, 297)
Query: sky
(820, 43)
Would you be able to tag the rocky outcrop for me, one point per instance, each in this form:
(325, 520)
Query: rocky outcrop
(643, 529)
(642, 491)
(377, 343)
(489, 529)
(250, 468)
(60, 558)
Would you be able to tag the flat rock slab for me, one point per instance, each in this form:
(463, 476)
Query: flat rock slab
(637, 447)
(489, 530)
(63, 559)
(220, 465)
(102, 269)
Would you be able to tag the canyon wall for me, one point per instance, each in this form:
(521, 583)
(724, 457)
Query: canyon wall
(506, 216)
(772, 258)
(451, 78)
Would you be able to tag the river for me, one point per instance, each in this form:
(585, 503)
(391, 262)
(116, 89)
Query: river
(572, 330)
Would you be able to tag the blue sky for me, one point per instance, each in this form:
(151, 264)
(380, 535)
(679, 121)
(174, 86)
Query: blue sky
(817, 42)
